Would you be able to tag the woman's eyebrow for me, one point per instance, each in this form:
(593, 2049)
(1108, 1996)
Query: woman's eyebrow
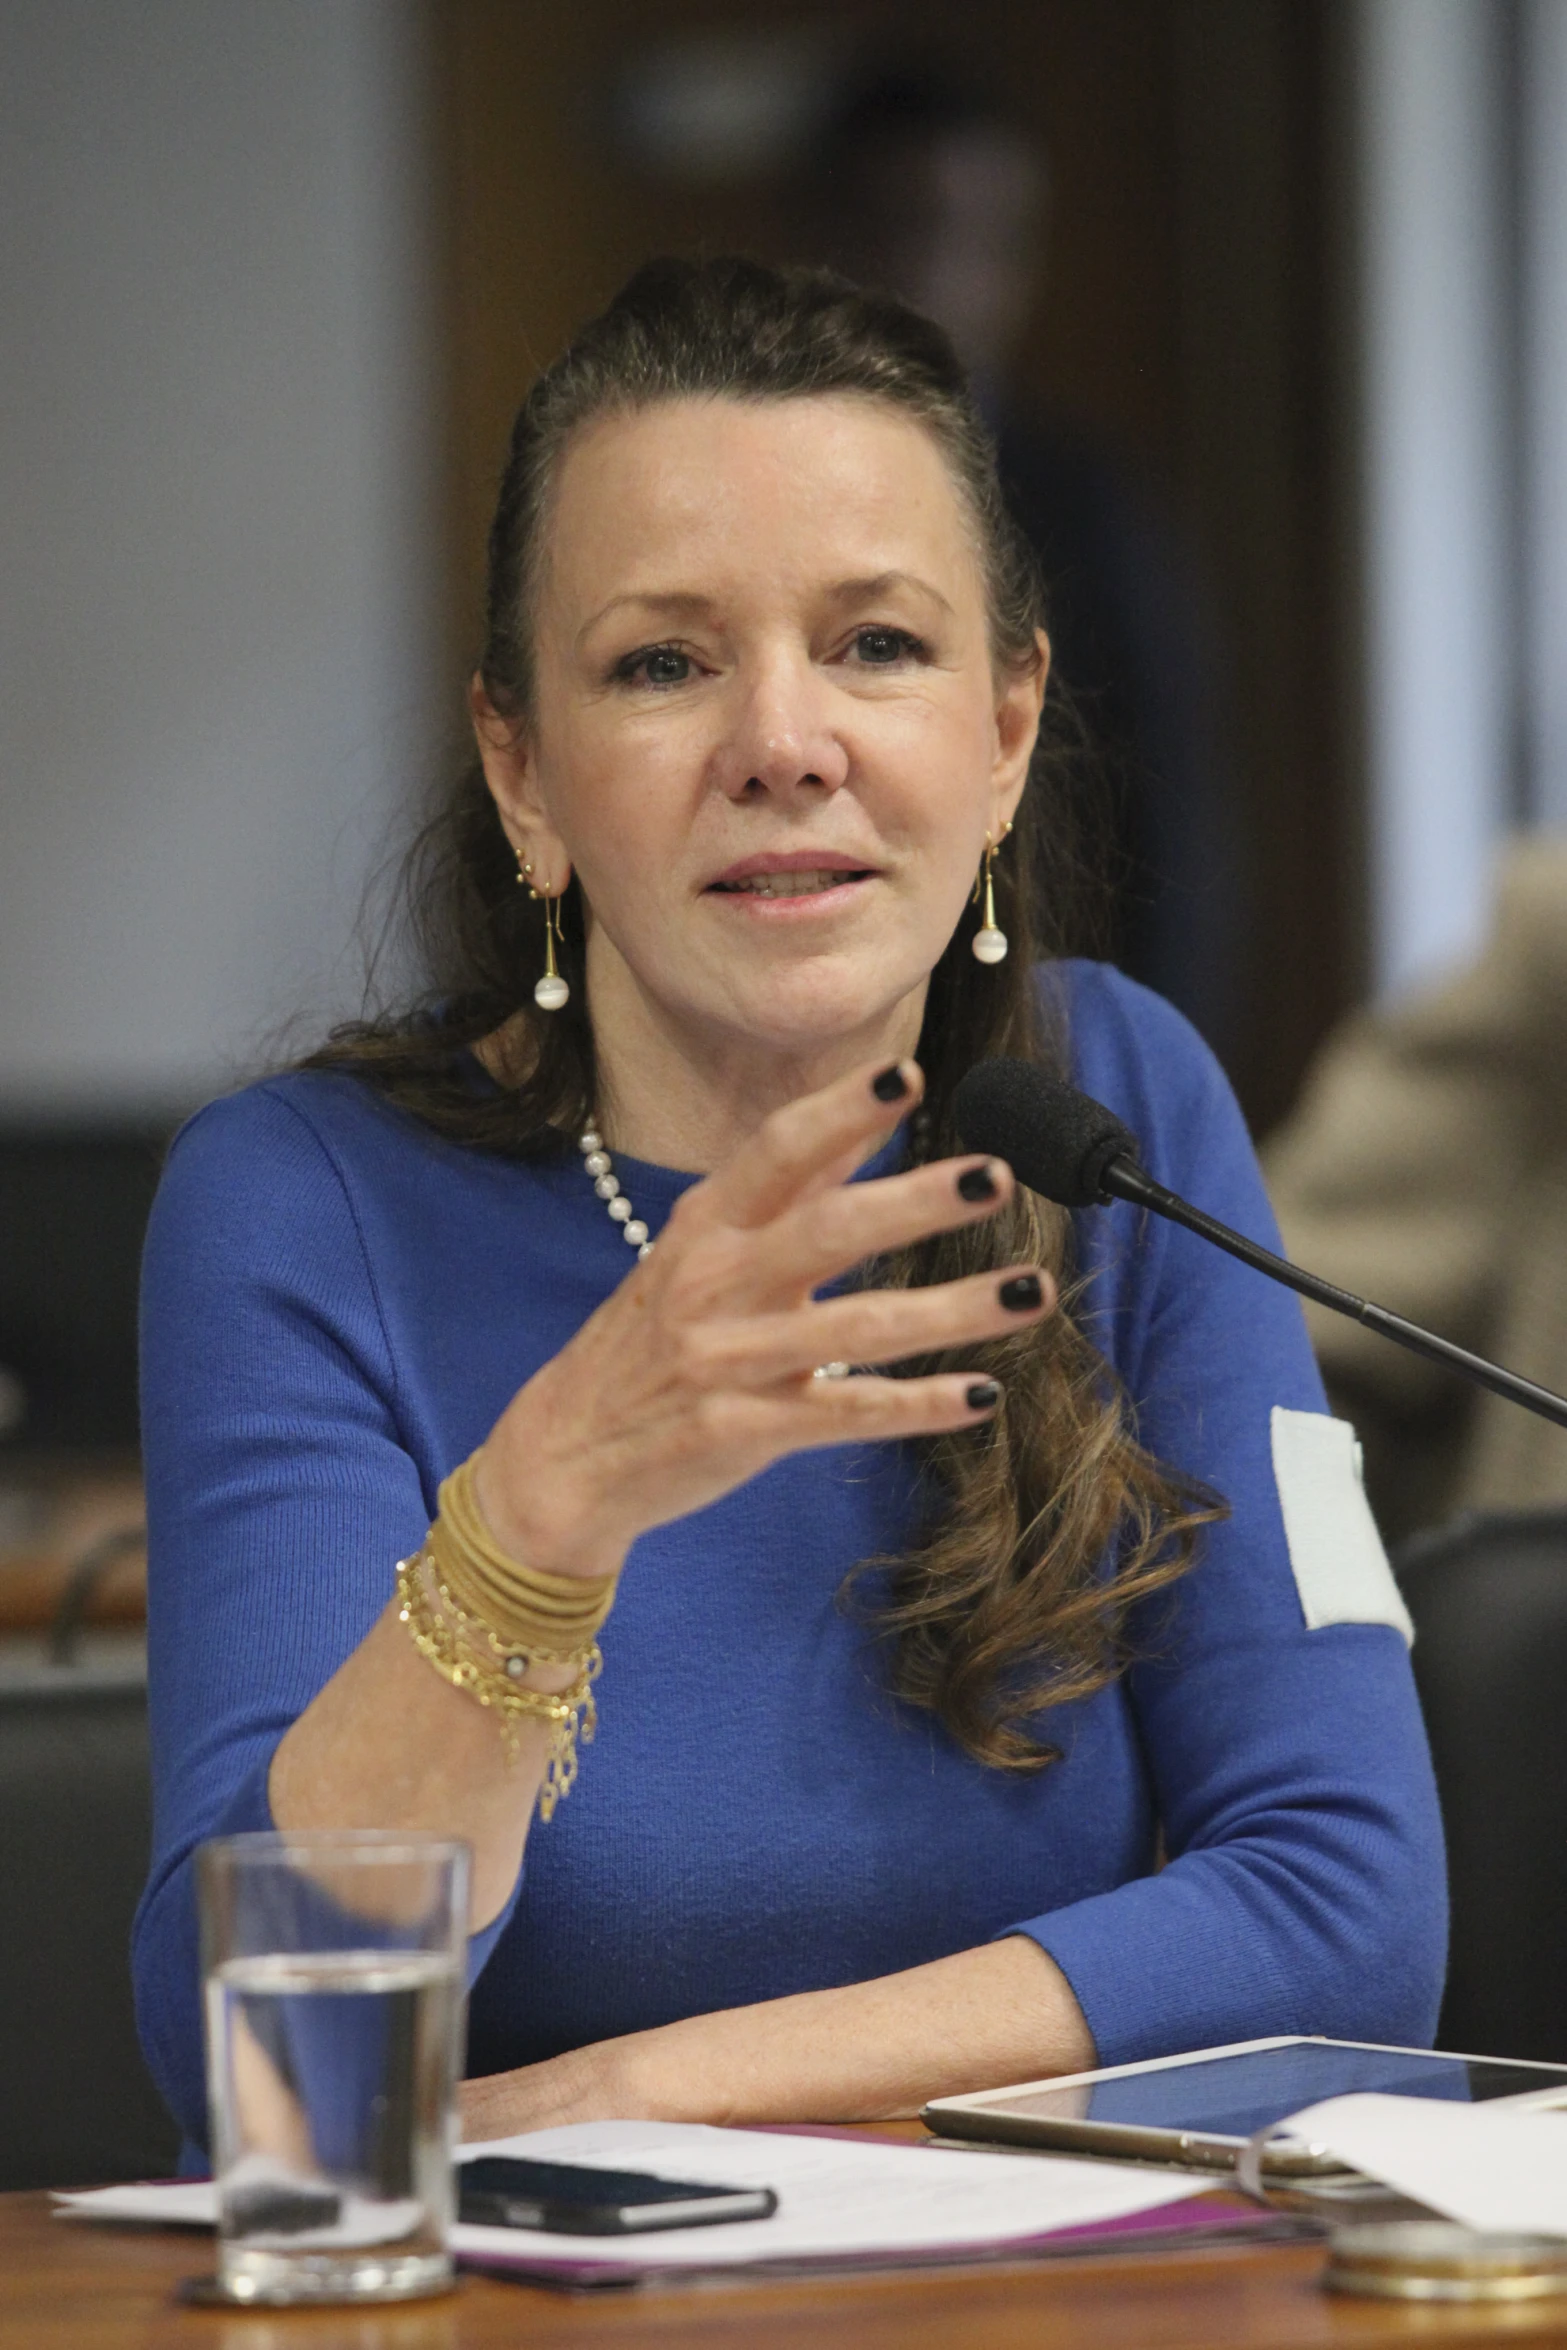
(690, 604)
(680, 603)
(881, 583)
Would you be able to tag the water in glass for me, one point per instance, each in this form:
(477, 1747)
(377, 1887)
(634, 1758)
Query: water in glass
(332, 2072)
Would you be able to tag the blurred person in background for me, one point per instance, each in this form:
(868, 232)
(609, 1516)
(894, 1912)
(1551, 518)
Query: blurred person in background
(1426, 1167)
(922, 184)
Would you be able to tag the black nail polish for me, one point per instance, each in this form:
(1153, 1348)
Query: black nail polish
(890, 1085)
(976, 1183)
(983, 1395)
(1022, 1294)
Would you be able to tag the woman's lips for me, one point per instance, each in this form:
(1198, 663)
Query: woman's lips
(792, 884)
(798, 894)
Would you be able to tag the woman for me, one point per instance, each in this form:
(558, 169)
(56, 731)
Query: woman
(910, 1674)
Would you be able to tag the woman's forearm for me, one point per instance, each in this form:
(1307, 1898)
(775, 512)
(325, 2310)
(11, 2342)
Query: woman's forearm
(389, 1744)
(865, 2052)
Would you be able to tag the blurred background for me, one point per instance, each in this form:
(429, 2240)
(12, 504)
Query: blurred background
(1260, 296)
(1264, 299)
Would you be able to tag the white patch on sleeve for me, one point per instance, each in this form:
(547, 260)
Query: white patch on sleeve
(1341, 1569)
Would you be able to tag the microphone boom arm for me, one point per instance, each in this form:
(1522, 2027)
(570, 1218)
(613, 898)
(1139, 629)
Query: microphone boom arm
(1122, 1178)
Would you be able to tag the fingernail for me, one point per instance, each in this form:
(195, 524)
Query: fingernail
(983, 1395)
(890, 1085)
(976, 1183)
(1022, 1293)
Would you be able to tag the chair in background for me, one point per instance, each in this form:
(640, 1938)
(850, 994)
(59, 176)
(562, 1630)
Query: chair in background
(74, 1202)
(75, 1821)
(75, 1802)
(1488, 1595)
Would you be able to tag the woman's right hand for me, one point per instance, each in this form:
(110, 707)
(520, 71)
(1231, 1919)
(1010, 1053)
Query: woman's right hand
(696, 1373)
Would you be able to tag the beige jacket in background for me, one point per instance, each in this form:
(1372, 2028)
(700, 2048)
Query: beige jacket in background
(1426, 1167)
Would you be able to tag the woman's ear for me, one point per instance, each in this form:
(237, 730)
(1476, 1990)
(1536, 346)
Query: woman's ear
(1017, 730)
(511, 772)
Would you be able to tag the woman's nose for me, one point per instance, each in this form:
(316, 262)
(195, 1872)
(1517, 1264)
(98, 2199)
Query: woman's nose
(782, 738)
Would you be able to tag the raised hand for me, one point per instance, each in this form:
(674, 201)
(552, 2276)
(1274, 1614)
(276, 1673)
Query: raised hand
(697, 1372)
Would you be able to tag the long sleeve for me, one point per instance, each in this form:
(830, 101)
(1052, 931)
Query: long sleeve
(1304, 1888)
(338, 1304)
(281, 1490)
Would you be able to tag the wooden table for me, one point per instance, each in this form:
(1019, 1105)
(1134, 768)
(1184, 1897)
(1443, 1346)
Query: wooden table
(97, 2288)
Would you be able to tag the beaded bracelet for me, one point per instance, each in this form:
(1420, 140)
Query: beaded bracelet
(444, 1634)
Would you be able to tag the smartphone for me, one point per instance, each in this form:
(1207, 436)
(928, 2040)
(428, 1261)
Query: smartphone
(573, 2199)
(1202, 2108)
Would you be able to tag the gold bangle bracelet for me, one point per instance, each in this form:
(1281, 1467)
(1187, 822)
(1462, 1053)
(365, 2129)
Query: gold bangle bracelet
(519, 1602)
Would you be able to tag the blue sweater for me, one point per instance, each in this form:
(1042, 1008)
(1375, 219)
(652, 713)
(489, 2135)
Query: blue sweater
(337, 1307)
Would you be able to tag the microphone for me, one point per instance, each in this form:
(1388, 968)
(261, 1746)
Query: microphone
(1071, 1149)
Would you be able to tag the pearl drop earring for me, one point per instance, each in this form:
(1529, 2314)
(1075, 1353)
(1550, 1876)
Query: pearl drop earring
(552, 991)
(989, 943)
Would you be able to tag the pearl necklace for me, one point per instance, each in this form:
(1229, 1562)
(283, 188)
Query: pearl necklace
(599, 1166)
(596, 1162)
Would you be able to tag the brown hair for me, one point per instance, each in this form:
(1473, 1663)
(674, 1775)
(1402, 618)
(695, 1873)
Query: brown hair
(1041, 1530)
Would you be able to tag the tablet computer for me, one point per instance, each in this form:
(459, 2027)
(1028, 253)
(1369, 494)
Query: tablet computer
(1201, 2108)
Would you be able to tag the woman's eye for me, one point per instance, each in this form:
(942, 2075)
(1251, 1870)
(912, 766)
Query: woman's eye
(654, 665)
(879, 648)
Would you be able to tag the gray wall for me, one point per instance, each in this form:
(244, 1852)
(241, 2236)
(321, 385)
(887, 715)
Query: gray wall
(1463, 372)
(1440, 586)
(1544, 405)
(218, 530)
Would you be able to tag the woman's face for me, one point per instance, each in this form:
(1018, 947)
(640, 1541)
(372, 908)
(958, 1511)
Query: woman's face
(767, 733)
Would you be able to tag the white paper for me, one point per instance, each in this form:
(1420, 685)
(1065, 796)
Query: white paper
(837, 2197)
(1340, 1566)
(1486, 2166)
(191, 2203)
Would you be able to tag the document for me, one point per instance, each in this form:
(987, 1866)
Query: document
(839, 2198)
(1485, 2166)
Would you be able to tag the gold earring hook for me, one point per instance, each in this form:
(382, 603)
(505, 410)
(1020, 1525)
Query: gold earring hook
(983, 883)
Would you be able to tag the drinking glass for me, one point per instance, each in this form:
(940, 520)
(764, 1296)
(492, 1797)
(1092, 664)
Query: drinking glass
(333, 1967)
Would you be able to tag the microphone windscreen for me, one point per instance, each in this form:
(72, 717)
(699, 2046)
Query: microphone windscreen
(1056, 1140)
